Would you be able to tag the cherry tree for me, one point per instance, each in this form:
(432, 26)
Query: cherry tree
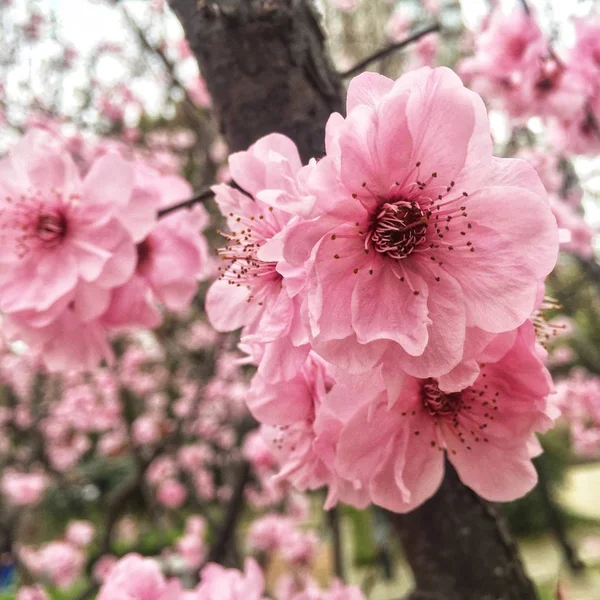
(373, 322)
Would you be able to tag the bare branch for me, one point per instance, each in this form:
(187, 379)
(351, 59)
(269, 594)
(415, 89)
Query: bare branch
(168, 65)
(526, 6)
(219, 550)
(333, 518)
(198, 199)
(390, 50)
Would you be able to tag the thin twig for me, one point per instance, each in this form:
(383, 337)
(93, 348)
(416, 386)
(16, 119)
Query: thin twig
(526, 7)
(158, 52)
(555, 518)
(389, 50)
(333, 518)
(198, 199)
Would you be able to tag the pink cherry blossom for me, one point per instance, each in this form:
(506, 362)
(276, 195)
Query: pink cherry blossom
(32, 593)
(80, 533)
(578, 398)
(300, 435)
(258, 453)
(583, 57)
(288, 411)
(515, 65)
(192, 550)
(509, 41)
(61, 562)
(425, 53)
(251, 291)
(146, 429)
(546, 163)
(395, 445)
(23, 489)
(578, 133)
(103, 566)
(191, 545)
(171, 494)
(219, 583)
(198, 92)
(300, 547)
(63, 248)
(268, 533)
(68, 342)
(172, 255)
(135, 578)
(575, 235)
(417, 258)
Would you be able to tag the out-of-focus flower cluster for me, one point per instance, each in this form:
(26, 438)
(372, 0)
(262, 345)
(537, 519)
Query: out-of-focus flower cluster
(517, 68)
(579, 400)
(137, 578)
(83, 250)
(106, 81)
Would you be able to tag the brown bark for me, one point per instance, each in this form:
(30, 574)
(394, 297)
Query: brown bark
(459, 548)
(265, 67)
(267, 70)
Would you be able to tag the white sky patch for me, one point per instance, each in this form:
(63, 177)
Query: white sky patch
(84, 24)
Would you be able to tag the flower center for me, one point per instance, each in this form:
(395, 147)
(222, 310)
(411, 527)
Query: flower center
(51, 228)
(549, 76)
(243, 267)
(438, 403)
(143, 250)
(398, 228)
(36, 221)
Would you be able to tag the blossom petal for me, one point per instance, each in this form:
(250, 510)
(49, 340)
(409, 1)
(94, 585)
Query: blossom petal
(383, 307)
(367, 88)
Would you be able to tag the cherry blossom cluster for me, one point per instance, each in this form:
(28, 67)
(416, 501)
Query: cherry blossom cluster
(137, 578)
(179, 426)
(187, 428)
(60, 562)
(83, 250)
(575, 235)
(516, 68)
(578, 397)
(385, 293)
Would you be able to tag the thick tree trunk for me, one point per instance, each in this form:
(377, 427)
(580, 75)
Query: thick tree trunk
(459, 548)
(265, 67)
(267, 70)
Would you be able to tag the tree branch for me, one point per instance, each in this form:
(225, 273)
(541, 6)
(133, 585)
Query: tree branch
(358, 68)
(333, 518)
(168, 65)
(555, 518)
(200, 198)
(219, 550)
(526, 6)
